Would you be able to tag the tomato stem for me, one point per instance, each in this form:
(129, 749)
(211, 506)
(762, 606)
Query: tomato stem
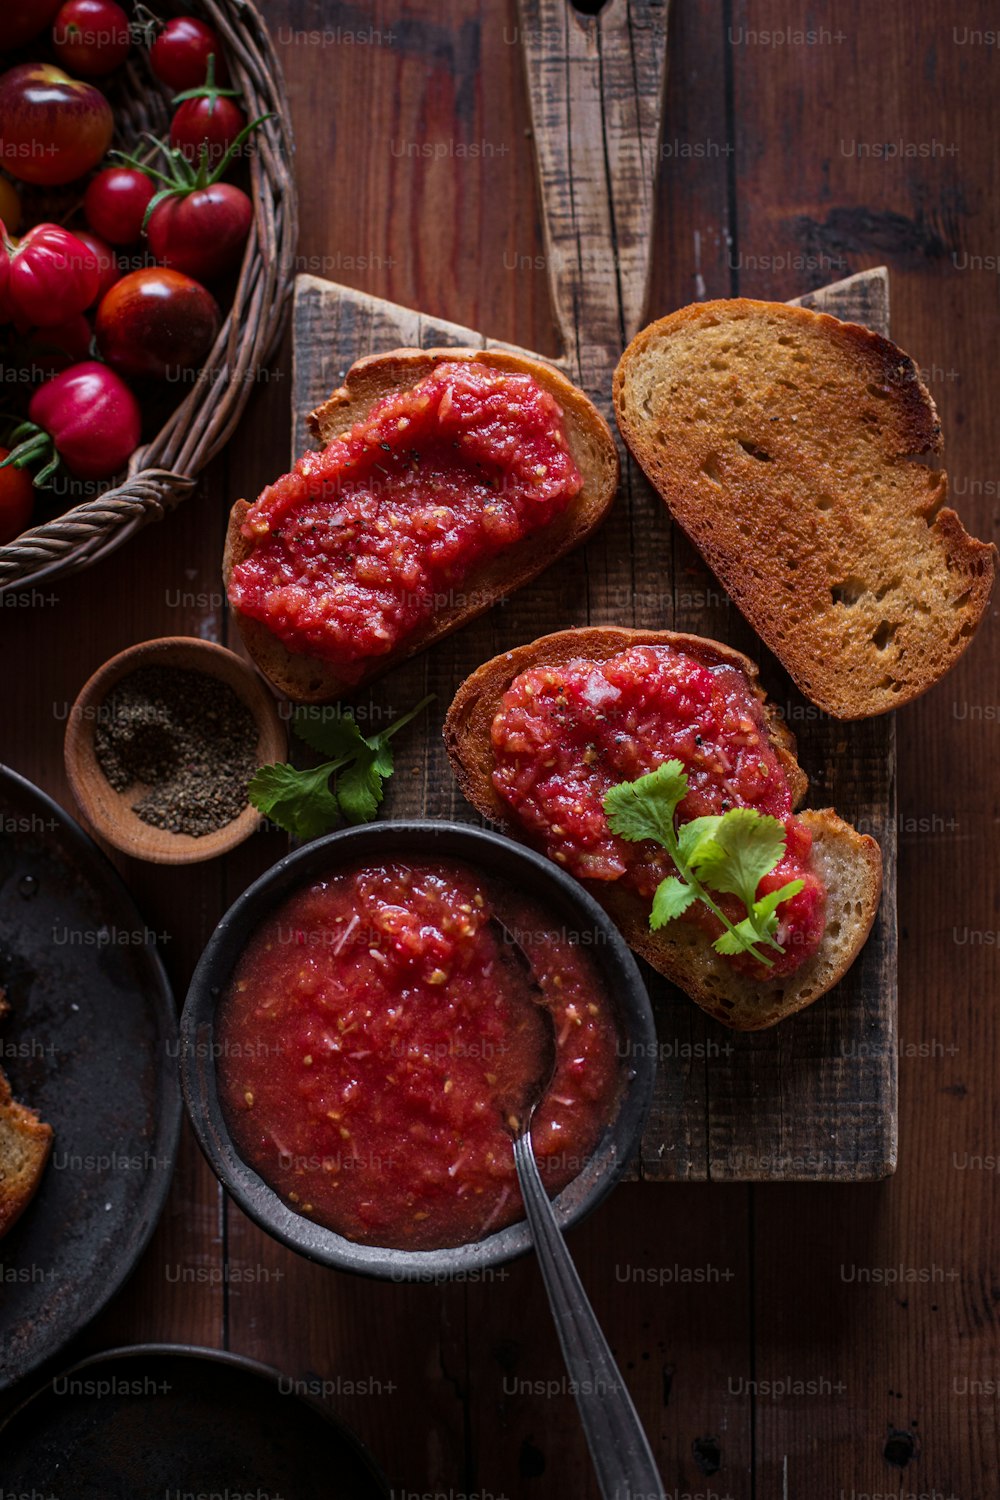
(209, 89)
(36, 443)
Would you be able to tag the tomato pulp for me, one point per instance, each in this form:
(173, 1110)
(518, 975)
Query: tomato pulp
(363, 542)
(372, 1033)
(565, 735)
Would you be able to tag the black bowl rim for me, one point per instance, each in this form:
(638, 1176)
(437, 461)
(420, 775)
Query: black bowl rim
(207, 1354)
(481, 848)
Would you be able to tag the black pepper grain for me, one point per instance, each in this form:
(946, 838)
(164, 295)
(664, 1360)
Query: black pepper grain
(185, 741)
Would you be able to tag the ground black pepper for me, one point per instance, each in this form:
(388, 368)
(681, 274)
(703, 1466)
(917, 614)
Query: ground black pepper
(185, 740)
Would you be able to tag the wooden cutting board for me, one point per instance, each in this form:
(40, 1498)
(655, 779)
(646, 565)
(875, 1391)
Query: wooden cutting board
(814, 1098)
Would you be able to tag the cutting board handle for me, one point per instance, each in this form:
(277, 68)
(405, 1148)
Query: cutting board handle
(596, 86)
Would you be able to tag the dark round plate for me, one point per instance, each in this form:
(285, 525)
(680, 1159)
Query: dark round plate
(559, 896)
(90, 1042)
(160, 1420)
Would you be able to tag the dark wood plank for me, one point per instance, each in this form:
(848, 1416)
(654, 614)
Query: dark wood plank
(730, 1107)
(894, 1407)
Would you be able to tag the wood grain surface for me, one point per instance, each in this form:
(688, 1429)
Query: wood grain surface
(824, 1342)
(814, 1098)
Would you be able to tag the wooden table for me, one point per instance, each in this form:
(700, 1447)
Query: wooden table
(788, 1340)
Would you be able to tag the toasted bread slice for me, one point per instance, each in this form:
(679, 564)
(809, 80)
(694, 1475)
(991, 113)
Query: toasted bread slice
(800, 454)
(309, 679)
(25, 1144)
(849, 862)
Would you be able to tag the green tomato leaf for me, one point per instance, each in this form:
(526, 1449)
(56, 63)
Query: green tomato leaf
(298, 801)
(644, 809)
(671, 900)
(745, 847)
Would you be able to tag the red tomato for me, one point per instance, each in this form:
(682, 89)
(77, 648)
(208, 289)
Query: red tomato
(201, 233)
(17, 500)
(157, 322)
(92, 418)
(52, 128)
(107, 262)
(91, 37)
(49, 277)
(116, 201)
(22, 20)
(179, 56)
(211, 122)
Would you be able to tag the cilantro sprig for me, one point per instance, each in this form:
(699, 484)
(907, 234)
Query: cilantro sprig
(729, 853)
(305, 803)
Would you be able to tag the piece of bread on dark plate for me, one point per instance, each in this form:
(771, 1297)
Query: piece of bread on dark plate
(802, 456)
(25, 1144)
(849, 862)
(309, 679)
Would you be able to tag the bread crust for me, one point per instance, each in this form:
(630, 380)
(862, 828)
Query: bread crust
(309, 679)
(855, 573)
(850, 862)
(25, 1146)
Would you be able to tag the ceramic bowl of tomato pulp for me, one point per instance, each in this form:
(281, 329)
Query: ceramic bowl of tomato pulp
(295, 1047)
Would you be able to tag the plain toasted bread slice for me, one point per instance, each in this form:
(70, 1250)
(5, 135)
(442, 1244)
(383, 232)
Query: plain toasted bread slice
(800, 454)
(849, 862)
(25, 1144)
(308, 679)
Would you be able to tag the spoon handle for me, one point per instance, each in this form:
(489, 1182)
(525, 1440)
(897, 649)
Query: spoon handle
(623, 1460)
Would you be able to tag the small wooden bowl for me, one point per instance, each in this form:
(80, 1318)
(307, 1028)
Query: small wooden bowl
(109, 812)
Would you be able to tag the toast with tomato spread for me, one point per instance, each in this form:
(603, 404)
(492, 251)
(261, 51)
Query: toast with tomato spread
(310, 677)
(802, 456)
(846, 863)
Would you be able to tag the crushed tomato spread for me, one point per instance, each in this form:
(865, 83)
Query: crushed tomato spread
(565, 735)
(371, 1033)
(363, 542)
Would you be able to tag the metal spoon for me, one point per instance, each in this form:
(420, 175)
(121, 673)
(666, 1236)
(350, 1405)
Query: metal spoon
(619, 1448)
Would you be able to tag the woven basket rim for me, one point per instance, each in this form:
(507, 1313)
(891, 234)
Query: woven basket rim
(163, 471)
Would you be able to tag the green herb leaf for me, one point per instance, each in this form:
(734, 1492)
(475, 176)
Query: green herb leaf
(327, 730)
(360, 789)
(644, 809)
(767, 906)
(671, 900)
(303, 802)
(745, 847)
(298, 801)
(728, 853)
(739, 939)
(693, 837)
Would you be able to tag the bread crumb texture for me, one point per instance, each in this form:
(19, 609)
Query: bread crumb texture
(802, 456)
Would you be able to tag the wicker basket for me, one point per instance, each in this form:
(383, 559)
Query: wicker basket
(163, 471)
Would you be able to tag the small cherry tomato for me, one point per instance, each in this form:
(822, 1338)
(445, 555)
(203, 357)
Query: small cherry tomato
(10, 206)
(107, 262)
(17, 500)
(208, 125)
(22, 20)
(157, 323)
(116, 201)
(201, 233)
(179, 56)
(49, 276)
(92, 418)
(91, 37)
(53, 128)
